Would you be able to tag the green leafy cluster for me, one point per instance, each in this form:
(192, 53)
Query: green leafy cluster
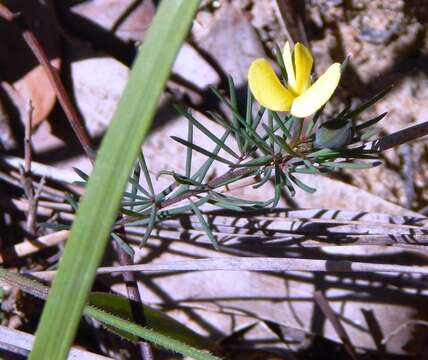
(271, 146)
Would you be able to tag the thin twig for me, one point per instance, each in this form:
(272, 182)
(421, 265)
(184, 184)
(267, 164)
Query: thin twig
(393, 333)
(27, 141)
(54, 79)
(255, 264)
(135, 300)
(37, 169)
(408, 174)
(28, 247)
(337, 325)
(27, 182)
(398, 138)
(292, 16)
(21, 343)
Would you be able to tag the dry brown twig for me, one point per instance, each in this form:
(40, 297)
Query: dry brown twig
(54, 79)
(254, 264)
(337, 325)
(395, 332)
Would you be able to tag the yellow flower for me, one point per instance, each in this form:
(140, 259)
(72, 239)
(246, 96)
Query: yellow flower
(300, 98)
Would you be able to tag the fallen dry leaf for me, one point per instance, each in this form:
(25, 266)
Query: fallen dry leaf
(20, 66)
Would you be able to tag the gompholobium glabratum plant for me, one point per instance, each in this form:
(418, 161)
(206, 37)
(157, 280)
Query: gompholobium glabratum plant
(280, 132)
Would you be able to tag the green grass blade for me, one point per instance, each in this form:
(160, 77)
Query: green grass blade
(98, 209)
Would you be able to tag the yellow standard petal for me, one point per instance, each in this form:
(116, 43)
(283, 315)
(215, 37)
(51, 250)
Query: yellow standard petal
(303, 61)
(318, 94)
(266, 87)
(289, 68)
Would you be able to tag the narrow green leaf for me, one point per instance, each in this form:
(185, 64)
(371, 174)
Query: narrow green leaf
(122, 244)
(101, 201)
(204, 224)
(278, 185)
(306, 170)
(181, 179)
(109, 320)
(156, 320)
(257, 162)
(336, 153)
(83, 175)
(300, 183)
(280, 62)
(234, 200)
(147, 176)
(150, 226)
(281, 124)
(69, 198)
(351, 165)
(132, 203)
(287, 182)
(248, 117)
(134, 189)
(206, 132)
(251, 131)
(202, 150)
(368, 103)
(135, 183)
(54, 226)
(371, 122)
(234, 103)
(189, 150)
(134, 197)
(314, 121)
(258, 118)
(345, 63)
(265, 179)
(280, 141)
(249, 108)
(155, 337)
(202, 172)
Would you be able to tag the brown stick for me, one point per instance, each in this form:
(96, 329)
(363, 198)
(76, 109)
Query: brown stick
(135, 300)
(398, 138)
(25, 172)
(337, 325)
(55, 81)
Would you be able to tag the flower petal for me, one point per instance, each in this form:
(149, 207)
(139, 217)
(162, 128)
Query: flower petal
(318, 94)
(303, 61)
(266, 87)
(288, 62)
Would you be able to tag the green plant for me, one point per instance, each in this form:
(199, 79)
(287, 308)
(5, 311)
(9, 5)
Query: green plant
(270, 145)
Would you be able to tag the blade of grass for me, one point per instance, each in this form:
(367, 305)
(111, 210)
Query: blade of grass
(115, 159)
(40, 291)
